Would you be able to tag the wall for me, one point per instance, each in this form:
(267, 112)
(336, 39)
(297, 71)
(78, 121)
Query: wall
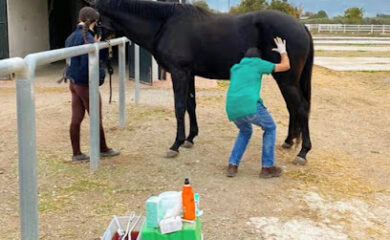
(28, 27)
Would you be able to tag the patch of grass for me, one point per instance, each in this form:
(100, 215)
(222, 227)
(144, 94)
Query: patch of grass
(335, 175)
(147, 112)
(53, 203)
(105, 208)
(223, 84)
(370, 72)
(65, 183)
(87, 185)
(62, 197)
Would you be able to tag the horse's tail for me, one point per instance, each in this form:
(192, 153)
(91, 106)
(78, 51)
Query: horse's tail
(305, 80)
(305, 87)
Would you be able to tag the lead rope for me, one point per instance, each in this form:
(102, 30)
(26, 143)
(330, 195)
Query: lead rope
(109, 68)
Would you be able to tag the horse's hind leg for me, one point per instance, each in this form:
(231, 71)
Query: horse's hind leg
(299, 121)
(303, 112)
(298, 109)
(292, 103)
(191, 106)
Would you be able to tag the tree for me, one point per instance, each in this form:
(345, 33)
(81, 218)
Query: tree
(284, 6)
(249, 5)
(202, 4)
(308, 14)
(320, 14)
(383, 15)
(353, 15)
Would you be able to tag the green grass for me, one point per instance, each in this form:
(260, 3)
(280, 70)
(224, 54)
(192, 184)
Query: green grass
(223, 84)
(62, 183)
(152, 113)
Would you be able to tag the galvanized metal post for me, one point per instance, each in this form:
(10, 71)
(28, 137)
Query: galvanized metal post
(154, 69)
(136, 66)
(94, 105)
(25, 74)
(122, 84)
(27, 153)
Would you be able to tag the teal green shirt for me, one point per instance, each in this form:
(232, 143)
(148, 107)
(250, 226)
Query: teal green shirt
(244, 88)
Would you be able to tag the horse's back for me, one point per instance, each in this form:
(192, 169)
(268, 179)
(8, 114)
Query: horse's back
(212, 43)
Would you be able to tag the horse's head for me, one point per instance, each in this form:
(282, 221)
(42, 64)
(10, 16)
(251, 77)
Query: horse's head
(105, 27)
(139, 21)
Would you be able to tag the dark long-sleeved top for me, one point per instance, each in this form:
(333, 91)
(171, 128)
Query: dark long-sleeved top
(77, 72)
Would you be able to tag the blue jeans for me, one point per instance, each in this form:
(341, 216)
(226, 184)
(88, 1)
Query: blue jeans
(263, 119)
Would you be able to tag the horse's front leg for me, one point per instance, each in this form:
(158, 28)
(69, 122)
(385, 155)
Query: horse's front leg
(180, 80)
(191, 106)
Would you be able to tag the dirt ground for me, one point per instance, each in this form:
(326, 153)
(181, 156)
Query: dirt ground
(342, 193)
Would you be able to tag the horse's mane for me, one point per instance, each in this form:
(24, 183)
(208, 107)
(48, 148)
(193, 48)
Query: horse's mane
(150, 9)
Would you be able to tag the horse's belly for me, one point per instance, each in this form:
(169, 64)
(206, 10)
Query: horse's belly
(212, 70)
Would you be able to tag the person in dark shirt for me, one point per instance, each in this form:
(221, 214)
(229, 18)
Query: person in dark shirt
(77, 73)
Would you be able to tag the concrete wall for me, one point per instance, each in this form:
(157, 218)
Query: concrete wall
(28, 26)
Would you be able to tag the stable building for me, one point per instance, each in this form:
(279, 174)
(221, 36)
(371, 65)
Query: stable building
(28, 26)
(40, 25)
(35, 25)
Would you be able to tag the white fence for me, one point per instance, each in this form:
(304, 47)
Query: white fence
(24, 70)
(349, 28)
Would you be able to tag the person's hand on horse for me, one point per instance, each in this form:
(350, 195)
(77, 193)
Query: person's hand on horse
(97, 38)
(280, 45)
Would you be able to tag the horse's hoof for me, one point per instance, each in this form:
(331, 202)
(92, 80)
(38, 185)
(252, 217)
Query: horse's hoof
(187, 144)
(286, 145)
(300, 161)
(171, 154)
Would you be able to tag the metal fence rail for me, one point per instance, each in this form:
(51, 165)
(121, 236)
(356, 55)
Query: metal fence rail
(24, 70)
(349, 28)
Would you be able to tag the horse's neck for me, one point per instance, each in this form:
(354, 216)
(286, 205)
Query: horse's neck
(140, 31)
(140, 20)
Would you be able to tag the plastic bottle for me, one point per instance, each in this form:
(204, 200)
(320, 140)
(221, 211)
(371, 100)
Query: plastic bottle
(188, 201)
(197, 201)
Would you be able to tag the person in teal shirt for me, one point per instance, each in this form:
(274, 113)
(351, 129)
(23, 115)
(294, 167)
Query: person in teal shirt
(245, 107)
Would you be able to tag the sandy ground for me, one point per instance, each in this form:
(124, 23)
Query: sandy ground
(354, 63)
(343, 192)
(351, 48)
(318, 37)
(352, 42)
(352, 54)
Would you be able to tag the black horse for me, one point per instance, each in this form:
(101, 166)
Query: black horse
(188, 41)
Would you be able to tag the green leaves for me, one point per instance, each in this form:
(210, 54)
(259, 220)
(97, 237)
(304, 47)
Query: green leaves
(354, 15)
(257, 5)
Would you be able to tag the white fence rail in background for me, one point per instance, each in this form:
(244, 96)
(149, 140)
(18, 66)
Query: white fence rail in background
(349, 28)
(24, 70)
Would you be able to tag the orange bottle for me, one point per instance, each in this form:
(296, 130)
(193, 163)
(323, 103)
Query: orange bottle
(187, 196)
